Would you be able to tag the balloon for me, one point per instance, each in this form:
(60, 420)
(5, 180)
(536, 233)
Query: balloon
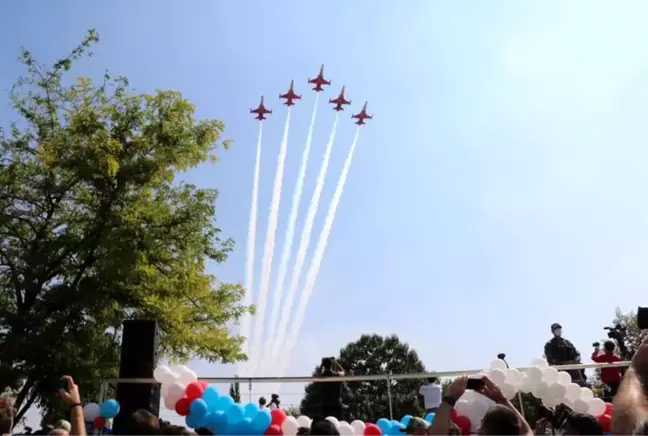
(540, 363)
(463, 422)
(513, 376)
(430, 417)
(525, 384)
(498, 364)
(194, 390)
(567, 402)
(234, 413)
(596, 407)
(385, 425)
(550, 375)
(586, 394)
(278, 417)
(210, 396)
(498, 376)
(535, 373)
(217, 421)
(396, 428)
(160, 372)
(243, 427)
(372, 430)
(289, 426)
(224, 402)
(169, 404)
(608, 409)
(581, 406)
(262, 420)
(175, 392)
(169, 377)
(91, 411)
(564, 378)
(198, 407)
(99, 422)
(187, 376)
(109, 409)
(344, 429)
(508, 390)
(333, 420)
(251, 409)
(557, 391)
(194, 421)
(358, 426)
(182, 406)
(273, 430)
(305, 421)
(405, 419)
(606, 422)
(573, 392)
(541, 390)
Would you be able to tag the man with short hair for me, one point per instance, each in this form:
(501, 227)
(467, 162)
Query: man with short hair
(417, 427)
(431, 393)
(331, 391)
(500, 420)
(560, 351)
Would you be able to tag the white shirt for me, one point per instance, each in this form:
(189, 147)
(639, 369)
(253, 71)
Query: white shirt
(432, 395)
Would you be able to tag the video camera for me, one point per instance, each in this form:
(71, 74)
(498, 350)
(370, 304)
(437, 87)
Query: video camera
(618, 332)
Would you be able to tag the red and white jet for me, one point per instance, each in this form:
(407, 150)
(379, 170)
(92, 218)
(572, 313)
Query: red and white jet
(319, 81)
(362, 116)
(339, 101)
(290, 95)
(260, 111)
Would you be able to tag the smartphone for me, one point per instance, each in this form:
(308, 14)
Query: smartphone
(642, 318)
(475, 384)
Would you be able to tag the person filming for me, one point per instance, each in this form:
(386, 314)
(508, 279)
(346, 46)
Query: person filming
(611, 377)
(331, 391)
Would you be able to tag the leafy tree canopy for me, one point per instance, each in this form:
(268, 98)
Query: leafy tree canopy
(368, 400)
(94, 231)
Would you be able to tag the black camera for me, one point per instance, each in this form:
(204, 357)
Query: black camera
(642, 318)
(617, 332)
(596, 344)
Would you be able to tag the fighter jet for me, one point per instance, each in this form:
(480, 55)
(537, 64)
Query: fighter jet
(319, 81)
(362, 116)
(339, 101)
(260, 111)
(290, 95)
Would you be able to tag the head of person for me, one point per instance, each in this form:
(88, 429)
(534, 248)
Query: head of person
(556, 329)
(417, 426)
(144, 423)
(262, 401)
(582, 424)
(609, 346)
(433, 380)
(63, 424)
(59, 432)
(324, 427)
(500, 420)
(303, 431)
(7, 413)
(275, 399)
(327, 364)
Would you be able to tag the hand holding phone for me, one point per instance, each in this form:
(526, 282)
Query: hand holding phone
(475, 384)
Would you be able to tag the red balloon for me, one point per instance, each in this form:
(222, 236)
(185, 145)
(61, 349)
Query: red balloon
(99, 422)
(278, 417)
(463, 422)
(274, 430)
(204, 384)
(182, 406)
(454, 414)
(372, 430)
(606, 422)
(194, 390)
(608, 409)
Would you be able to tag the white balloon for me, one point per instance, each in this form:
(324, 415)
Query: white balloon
(164, 389)
(557, 391)
(586, 394)
(304, 421)
(289, 426)
(508, 390)
(564, 378)
(345, 429)
(91, 411)
(498, 376)
(334, 420)
(513, 376)
(540, 363)
(541, 390)
(567, 403)
(550, 375)
(498, 364)
(573, 392)
(170, 377)
(581, 406)
(549, 401)
(526, 385)
(535, 373)
(159, 372)
(175, 392)
(170, 403)
(596, 407)
(358, 427)
(187, 377)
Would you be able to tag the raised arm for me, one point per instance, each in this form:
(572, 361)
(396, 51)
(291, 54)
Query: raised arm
(630, 404)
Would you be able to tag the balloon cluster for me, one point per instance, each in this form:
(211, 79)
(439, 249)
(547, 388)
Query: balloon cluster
(101, 415)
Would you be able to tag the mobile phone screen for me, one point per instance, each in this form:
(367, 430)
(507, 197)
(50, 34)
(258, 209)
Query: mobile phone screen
(475, 384)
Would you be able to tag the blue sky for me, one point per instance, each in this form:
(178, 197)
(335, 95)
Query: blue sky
(499, 188)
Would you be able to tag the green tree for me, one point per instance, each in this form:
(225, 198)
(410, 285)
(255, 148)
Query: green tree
(368, 400)
(95, 230)
(633, 333)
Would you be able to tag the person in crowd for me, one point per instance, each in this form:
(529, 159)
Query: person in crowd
(431, 393)
(303, 431)
(59, 432)
(262, 402)
(630, 405)
(324, 427)
(417, 427)
(274, 400)
(582, 424)
(611, 377)
(560, 351)
(502, 419)
(63, 424)
(203, 431)
(331, 391)
(7, 414)
(71, 397)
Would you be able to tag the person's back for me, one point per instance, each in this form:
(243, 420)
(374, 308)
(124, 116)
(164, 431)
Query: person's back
(331, 391)
(431, 393)
(500, 420)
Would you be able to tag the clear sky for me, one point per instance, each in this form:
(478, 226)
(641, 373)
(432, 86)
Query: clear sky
(500, 187)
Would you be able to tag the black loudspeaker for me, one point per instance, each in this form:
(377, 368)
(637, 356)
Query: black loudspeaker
(139, 356)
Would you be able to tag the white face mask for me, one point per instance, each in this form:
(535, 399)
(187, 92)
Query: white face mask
(557, 333)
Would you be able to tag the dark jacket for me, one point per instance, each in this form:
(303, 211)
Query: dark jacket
(559, 351)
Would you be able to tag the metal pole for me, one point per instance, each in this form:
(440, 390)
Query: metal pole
(521, 404)
(389, 397)
(250, 389)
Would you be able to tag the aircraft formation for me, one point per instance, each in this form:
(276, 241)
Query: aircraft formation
(290, 96)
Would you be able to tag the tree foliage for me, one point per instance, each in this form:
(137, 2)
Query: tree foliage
(368, 400)
(94, 230)
(633, 333)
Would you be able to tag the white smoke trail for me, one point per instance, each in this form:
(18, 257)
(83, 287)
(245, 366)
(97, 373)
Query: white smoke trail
(313, 270)
(268, 251)
(290, 234)
(303, 244)
(249, 255)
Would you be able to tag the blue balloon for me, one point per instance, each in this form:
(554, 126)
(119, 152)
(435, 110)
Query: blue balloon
(234, 414)
(397, 428)
(194, 421)
(430, 417)
(211, 396)
(243, 427)
(217, 421)
(262, 420)
(224, 403)
(198, 407)
(405, 419)
(251, 409)
(385, 425)
(109, 409)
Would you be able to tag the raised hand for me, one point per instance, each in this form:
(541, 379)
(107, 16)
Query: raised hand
(71, 395)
